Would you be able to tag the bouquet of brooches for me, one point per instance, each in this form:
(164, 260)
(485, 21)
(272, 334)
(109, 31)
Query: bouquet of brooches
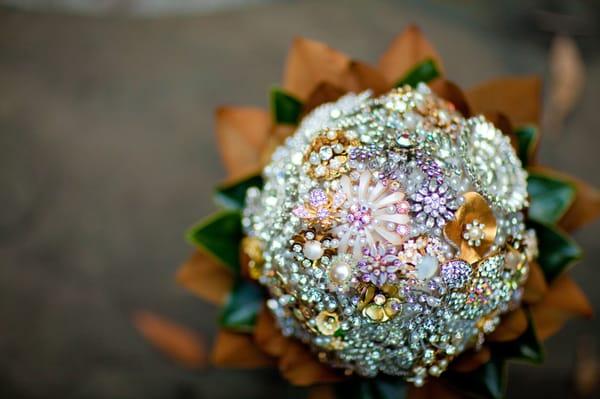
(386, 235)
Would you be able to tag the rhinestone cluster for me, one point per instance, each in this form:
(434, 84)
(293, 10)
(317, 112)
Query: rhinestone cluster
(390, 233)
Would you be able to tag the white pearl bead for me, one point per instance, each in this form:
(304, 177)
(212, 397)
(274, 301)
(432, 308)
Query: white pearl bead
(340, 272)
(313, 250)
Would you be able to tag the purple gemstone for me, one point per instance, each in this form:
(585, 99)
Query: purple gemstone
(317, 197)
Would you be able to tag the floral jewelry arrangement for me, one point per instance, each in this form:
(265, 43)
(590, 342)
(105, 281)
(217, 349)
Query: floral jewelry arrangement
(386, 235)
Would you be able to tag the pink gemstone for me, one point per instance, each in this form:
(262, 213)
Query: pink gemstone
(402, 229)
(403, 207)
(301, 212)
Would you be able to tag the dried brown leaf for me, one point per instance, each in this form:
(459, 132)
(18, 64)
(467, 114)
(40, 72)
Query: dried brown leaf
(310, 63)
(406, 50)
(173, 340)
(512, 326)
(267, 335)
(206, 278)
(471, 360)
(323, 93)
(242, 133)
(536, 286)
(563, 301)
(519, 98)
(238, 350)
(449, 91)
(300, 367)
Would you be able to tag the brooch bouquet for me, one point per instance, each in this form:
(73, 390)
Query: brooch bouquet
(385, 234)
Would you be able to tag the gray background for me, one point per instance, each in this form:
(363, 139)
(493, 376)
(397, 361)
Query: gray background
(107, 154)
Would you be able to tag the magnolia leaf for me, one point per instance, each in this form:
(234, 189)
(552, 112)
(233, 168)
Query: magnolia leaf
(302, 368)
(382, 387)
(177, 342)
(206, 278)
(527, 347)
(238, 350)
(527, 137)
(423, 72)
(557, 249)
(220, 235)
(286, 109)
(516, 97)
(550, 197)
(407, 49)
(242, 307)
(488, 381)
(310, 63)
(233, 195)
(242, 134)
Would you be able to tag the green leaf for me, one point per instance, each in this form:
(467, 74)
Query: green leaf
(381, 387)
(557, 249)
(488, 381)
(220, 235)
(242, 307)
(527, 347)
(527, 137)
(423, 72)
(286, 109)
(233, 195)
(550, 197)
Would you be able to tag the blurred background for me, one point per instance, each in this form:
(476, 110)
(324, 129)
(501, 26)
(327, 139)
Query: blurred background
(107, 154)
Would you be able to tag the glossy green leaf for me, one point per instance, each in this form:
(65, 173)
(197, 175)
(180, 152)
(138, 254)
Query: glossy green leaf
(423, 72)
(286, 109)
(233, 195)
(549, 197)
(527, 137)
(557, 249)
(488, 381)
(242, 307)
(381, 387)
(220, 236)
(527, 347)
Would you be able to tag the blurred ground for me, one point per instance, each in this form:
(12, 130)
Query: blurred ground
(107, 155)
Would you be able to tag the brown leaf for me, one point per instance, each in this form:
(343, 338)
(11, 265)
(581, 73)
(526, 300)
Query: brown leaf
(267, 335)
(512, 326)
(242, 133)
(174, 341)
(238, 350)
(277, 136)
(536, 286)
(359, 77)
(451, 93)
(321, 392)
(323, 93)
(563, 301)
(206, 278)
(471, 360)
(502, 122)
(309, 63)
(585, 207)
(567, 79)
(519, 98)
(300, 367)
(406, 50)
